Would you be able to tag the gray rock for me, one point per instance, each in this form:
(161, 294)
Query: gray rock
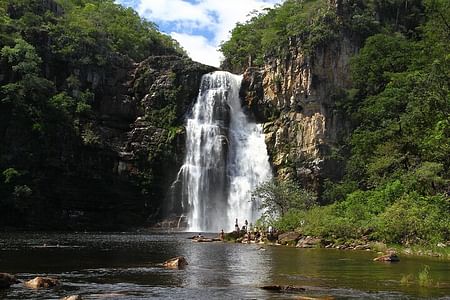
(288, 238)
(308, 242)
(73, 297)
(178, 262)
(391, 256)
(42, 282)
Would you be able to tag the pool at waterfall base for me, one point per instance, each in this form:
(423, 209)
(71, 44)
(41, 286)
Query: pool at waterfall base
(127, 266)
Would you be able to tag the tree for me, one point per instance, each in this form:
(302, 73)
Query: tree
(277, 197)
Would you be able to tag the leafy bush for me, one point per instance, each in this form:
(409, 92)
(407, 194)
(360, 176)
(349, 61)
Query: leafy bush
(277, 197)
(415, 219)
(10, 174)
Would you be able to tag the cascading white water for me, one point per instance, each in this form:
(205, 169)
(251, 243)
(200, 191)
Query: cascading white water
(226, 158)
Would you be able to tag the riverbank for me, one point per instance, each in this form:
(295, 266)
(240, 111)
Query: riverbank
(293, 239)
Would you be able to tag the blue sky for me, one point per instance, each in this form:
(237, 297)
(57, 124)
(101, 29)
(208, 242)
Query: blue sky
(198, 25)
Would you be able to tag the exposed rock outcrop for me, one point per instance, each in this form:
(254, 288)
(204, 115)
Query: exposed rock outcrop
(294, 96)
(391, 256)
(308, 242)
(73, 297)
(288, 238)
(42, 282)
(283, 288)
(178, 262)
(115, 171)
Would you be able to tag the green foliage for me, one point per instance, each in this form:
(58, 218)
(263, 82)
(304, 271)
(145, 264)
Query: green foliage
(290, 221)
(87, 34)
(55, 63)
(22, 58)
(22, 192)
(326, 222)
(309, 24)
(89, 136)
(397, 173)
(397, 178)
(277, 197)
(424, 277)
(270, 32)
(381, 56)
(10, 174)
(415, 219)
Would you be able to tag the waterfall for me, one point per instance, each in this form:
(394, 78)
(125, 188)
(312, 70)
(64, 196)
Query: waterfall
(226, 158)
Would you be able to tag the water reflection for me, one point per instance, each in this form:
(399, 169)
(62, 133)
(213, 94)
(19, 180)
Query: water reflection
(125, 266)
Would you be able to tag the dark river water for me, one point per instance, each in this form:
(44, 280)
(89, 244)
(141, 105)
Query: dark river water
(125, 266)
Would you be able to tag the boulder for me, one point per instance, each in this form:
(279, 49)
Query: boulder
(362, 247)
(73, 297)
(178, 262)
(308, 242)
(42, 282)
(288, 238)
(203, 240)
(6, 280)
(389, 257)
(283, 288)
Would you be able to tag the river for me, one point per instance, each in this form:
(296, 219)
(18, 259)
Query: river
(125, 266)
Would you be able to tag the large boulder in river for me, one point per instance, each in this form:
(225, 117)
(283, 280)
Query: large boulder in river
(288, 238)
(73, 297)
(6, 280)
(176, 263)
(391, 256)
(42, 282)
(283, 288)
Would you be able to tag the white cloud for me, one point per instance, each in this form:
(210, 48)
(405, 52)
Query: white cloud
(199, 48)
(173, 10)
(188, 19)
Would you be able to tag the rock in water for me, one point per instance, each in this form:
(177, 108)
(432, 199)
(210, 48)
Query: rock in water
(283, 288)
(42, 282)
(178, 262)
(6, 280)
(73, 297)
(389, 257)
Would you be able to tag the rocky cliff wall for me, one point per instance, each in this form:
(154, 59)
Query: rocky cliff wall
(112, 169)
(295, 97)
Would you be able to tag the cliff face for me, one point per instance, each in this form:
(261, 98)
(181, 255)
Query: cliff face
(294, 96)
(114, 172)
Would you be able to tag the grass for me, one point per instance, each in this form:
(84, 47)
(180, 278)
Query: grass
(424, 277)
(407, 279)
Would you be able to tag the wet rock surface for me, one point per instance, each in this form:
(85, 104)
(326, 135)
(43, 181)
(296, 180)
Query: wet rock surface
(42, 282)
(178, 262)
(391, 256)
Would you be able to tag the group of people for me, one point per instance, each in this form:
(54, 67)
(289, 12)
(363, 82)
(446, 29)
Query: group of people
(248, 233)
(244, 227)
